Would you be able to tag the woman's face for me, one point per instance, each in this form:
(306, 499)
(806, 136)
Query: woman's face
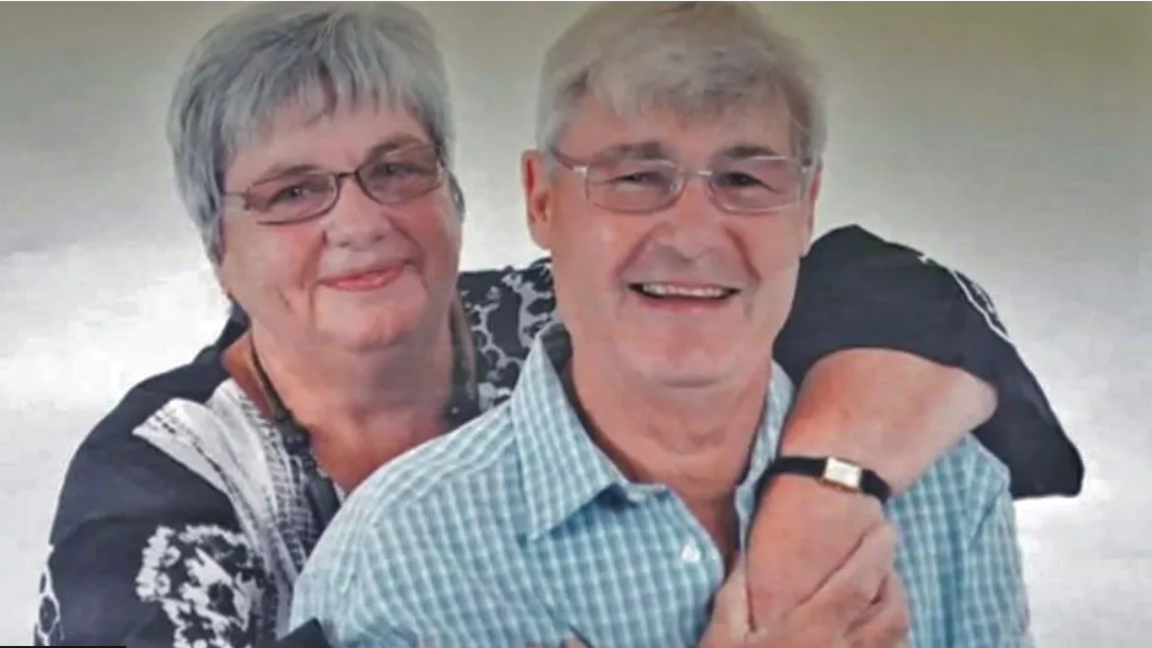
(362, 275)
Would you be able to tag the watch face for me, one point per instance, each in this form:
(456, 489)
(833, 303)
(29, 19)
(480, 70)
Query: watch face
(843, 474)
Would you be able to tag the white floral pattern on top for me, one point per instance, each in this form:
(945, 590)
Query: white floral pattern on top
(208, 582)
(48, 631)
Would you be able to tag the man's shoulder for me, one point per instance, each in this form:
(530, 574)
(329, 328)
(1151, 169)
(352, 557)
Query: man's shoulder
(971, 466)
(956, 491)
(477, 457)
(413, 523)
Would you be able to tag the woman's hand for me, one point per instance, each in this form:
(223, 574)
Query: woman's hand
(889, 411)
(861, 605)
(804, 532)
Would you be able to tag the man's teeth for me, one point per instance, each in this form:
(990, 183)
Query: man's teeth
(702, 292)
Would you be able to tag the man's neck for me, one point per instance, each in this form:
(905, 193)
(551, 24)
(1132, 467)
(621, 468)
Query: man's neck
(356, 411)
(695, 441)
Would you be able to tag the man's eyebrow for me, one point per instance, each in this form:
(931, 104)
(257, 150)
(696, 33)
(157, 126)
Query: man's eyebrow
(654, 150)
(649, 150)
(750, 150)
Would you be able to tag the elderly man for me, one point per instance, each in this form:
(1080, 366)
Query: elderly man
(675, 183)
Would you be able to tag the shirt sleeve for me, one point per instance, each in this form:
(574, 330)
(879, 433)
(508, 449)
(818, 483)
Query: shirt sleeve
(993, 610)
(857, 290)
(145, 554)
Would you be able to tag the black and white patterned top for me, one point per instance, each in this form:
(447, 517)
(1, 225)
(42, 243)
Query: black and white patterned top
(185, 518)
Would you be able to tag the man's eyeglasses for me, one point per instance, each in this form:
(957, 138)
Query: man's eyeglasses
(740, 185)
(391, 178)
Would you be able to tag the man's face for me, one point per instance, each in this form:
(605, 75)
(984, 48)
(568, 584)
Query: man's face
(678, 290)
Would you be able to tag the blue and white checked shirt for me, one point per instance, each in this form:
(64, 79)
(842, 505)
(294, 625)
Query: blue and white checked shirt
(517, 531)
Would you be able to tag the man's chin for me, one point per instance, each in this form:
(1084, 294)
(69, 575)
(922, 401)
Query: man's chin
(675, 374)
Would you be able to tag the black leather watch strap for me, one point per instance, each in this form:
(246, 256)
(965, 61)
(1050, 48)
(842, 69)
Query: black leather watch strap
(835, 472)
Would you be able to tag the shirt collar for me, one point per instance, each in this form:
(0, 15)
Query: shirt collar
(561, 468)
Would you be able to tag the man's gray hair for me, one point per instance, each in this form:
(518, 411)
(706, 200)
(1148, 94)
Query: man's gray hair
(698, 59)
(316, 55)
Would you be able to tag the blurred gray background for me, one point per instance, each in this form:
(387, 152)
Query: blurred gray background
(1012, 140)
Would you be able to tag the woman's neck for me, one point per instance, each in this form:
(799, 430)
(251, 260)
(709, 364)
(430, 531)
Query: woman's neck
(360, 409)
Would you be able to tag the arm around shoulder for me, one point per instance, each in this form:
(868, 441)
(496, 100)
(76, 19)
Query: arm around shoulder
(859, 292)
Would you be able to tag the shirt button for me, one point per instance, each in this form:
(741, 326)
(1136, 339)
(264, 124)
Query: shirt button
(690, 553)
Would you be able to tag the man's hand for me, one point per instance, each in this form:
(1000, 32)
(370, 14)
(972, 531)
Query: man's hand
(804, 531)
(861, 605)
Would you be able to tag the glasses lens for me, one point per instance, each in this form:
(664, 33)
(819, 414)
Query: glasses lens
(757, 184)
(632, 185)
(291, 198)
(403, 175)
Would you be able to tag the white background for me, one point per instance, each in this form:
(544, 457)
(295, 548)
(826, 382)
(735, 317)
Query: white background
(1012, 140)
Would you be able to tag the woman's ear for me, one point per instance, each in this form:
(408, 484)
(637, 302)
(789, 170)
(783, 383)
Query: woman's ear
(537, 197)
(456, 194)
(813, 194)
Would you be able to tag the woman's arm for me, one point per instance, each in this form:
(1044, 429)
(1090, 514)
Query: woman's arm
(145, 554)
(150, 584)
(857, 291)
(889, 411)
(896, 362)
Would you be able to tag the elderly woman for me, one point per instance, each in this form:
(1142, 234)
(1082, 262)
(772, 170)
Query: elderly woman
(313, 148)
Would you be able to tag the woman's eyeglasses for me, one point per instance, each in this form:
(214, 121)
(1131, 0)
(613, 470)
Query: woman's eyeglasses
(391, 178)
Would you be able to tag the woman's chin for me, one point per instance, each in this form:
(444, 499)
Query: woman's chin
(369, 323)
(371, 334)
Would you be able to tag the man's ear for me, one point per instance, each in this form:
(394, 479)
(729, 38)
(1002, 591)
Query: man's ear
(537, 197)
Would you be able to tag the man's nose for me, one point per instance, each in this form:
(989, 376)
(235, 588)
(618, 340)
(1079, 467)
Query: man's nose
(693, 224)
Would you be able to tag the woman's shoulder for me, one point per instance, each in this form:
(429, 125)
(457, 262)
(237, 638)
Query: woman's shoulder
(118, 470)
(506, 308)
(156, 495)
(532, 281)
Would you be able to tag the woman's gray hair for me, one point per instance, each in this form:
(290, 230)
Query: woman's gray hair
(317, 55)
(699, 59)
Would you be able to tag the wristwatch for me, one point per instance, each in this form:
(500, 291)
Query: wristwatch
(835, 472)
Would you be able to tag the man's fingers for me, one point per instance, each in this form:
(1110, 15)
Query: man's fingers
(730, 606)
(857, 584)
(887, 623)
(731, 620)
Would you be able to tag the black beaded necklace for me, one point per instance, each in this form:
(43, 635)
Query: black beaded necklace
(319, 489)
